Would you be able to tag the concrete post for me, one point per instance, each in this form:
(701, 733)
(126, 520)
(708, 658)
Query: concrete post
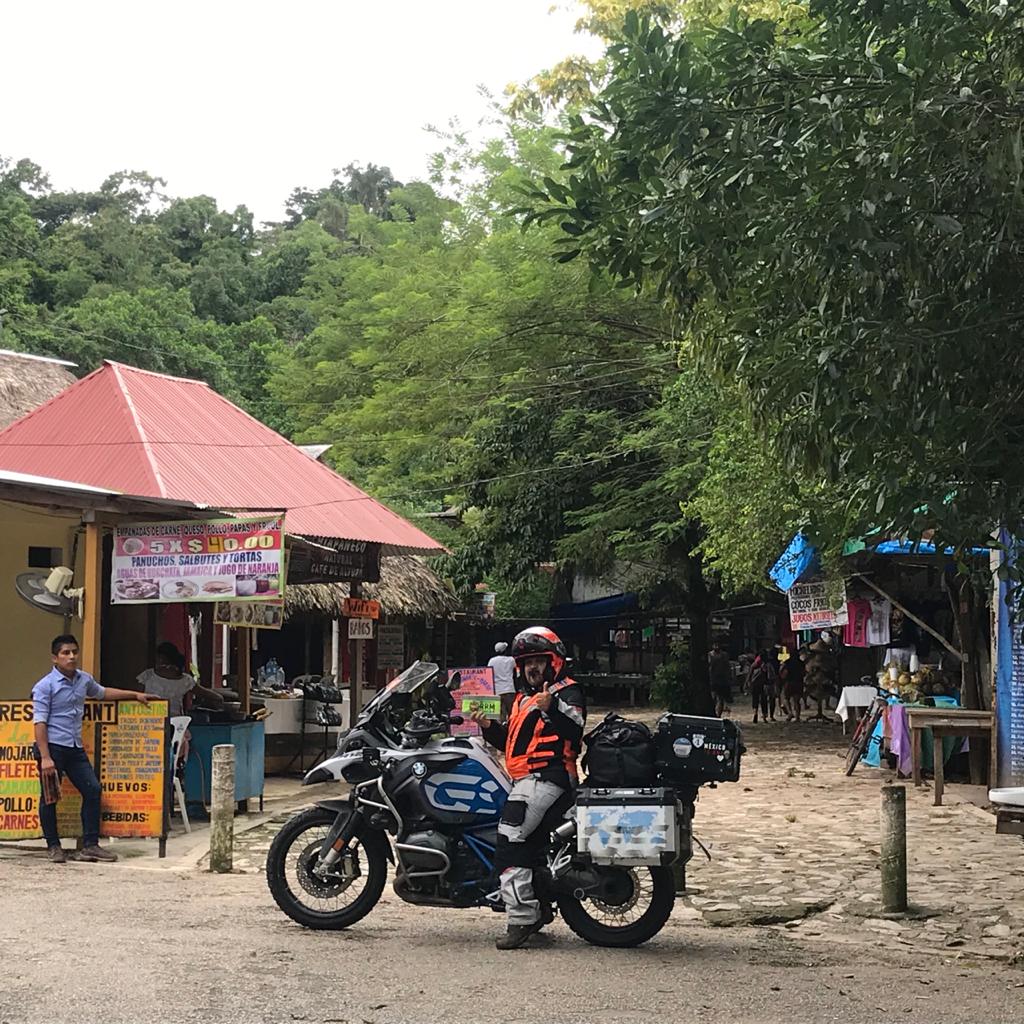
(336, 651)
(222, 808)
(894, 849)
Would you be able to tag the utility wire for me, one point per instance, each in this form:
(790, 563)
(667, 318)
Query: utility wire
(465, 484)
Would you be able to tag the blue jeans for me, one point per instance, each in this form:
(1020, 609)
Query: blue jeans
(72, 762)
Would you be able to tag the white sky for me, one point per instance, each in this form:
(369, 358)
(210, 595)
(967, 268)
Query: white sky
(246, 99)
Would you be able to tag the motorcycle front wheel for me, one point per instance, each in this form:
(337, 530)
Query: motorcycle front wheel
(632, 907)
(338, 899)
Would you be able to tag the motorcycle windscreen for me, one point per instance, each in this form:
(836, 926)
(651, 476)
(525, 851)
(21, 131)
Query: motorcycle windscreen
(418, 675)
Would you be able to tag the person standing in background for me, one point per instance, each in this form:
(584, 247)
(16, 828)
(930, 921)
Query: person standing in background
(764, 680)
(169, 681)
(792, 678)
(58, 708)
(504, 669)
(720, 670)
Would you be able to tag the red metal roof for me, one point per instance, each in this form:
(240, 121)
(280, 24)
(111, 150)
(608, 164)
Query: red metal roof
(144, 433)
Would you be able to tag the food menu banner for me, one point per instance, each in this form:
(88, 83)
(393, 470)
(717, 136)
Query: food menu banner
(131, 766)
(198, 560)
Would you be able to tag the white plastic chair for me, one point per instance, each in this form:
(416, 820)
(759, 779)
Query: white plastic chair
(179, 724)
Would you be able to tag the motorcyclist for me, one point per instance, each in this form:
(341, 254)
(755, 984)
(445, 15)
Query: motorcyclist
(541, 740)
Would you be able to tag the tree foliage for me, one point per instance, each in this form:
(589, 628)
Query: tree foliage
(835, 214)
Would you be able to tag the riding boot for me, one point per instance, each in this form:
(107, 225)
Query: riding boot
(517, 935)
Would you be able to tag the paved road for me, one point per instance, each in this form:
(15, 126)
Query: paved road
(122, 943)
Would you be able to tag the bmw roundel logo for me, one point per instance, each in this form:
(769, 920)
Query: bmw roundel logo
(419, 769)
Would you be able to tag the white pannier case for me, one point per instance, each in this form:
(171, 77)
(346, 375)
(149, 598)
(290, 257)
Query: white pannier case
(627, 826)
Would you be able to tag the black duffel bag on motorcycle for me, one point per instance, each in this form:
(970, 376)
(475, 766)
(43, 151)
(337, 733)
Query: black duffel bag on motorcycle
(620, 754)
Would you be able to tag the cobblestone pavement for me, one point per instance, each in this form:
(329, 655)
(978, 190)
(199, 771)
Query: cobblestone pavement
(794, 846)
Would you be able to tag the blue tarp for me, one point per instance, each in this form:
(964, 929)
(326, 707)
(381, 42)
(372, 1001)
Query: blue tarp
(798, 559)
(801, 557)
(602, 608)
(906, 547)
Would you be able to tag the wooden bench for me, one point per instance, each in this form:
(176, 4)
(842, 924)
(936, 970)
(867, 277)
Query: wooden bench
(943, 722)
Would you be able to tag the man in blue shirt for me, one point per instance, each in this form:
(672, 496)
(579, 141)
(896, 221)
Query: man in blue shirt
(58, 706)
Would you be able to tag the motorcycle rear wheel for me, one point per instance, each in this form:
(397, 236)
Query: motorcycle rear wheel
(307, 899)
(617, 926)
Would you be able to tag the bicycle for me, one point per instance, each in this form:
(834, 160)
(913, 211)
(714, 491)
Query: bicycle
(866, 726)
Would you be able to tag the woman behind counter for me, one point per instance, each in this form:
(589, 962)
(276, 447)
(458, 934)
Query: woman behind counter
(169, 681)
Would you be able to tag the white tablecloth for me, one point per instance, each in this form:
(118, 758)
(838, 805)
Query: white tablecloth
(854, 697)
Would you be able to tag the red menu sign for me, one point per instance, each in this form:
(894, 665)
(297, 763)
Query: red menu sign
(198, 560)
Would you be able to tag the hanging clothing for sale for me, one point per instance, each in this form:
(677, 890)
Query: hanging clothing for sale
(878, 624)
(858, 616)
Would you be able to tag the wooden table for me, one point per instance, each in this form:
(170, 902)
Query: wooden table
(943, 722)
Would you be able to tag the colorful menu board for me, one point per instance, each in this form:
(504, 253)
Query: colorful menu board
(474, 682)
(198, 560)
(127, 744)
(818, 605)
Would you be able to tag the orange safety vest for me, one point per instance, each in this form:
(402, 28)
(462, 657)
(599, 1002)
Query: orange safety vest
(532, 743)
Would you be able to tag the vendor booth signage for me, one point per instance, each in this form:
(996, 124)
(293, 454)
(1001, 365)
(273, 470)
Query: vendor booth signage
(127, 744)
(253, 614)
(818, 605)
(1008, 701)
(360, 629)
(475, 683)
(391, 646)
(335, 561)
(360, 608)
(198, 560)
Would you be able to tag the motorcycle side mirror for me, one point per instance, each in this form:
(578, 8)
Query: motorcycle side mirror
(455, 681)
(456, 720)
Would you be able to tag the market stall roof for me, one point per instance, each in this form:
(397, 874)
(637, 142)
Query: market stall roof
(407, 587)
(26, 381)
(144, 433)
(801, 559)
(31, 489)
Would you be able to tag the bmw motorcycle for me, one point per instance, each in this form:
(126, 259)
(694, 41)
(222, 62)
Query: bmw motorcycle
(428, 804)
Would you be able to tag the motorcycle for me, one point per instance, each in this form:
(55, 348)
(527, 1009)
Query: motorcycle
(428, 803)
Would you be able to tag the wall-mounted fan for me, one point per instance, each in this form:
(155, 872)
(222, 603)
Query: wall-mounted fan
(50, 591)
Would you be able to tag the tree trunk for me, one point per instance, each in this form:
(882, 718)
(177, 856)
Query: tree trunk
(698, 606)
(966, 612)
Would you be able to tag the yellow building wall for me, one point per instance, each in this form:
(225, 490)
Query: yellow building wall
(25, 632)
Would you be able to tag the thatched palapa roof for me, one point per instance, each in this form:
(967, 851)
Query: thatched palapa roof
(26, 382)
(408, 586)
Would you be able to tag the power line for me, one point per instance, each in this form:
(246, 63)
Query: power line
(606, 457)
(515, 387)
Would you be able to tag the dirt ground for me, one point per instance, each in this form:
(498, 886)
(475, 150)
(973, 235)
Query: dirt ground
(794, 844)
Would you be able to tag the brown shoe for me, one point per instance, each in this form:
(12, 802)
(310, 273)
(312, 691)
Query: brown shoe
(95, 853)
(56, 855)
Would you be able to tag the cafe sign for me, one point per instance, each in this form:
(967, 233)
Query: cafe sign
(198, 560)
(335, 561)
(360, 608)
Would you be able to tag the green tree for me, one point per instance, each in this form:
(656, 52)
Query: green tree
(837, 220)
